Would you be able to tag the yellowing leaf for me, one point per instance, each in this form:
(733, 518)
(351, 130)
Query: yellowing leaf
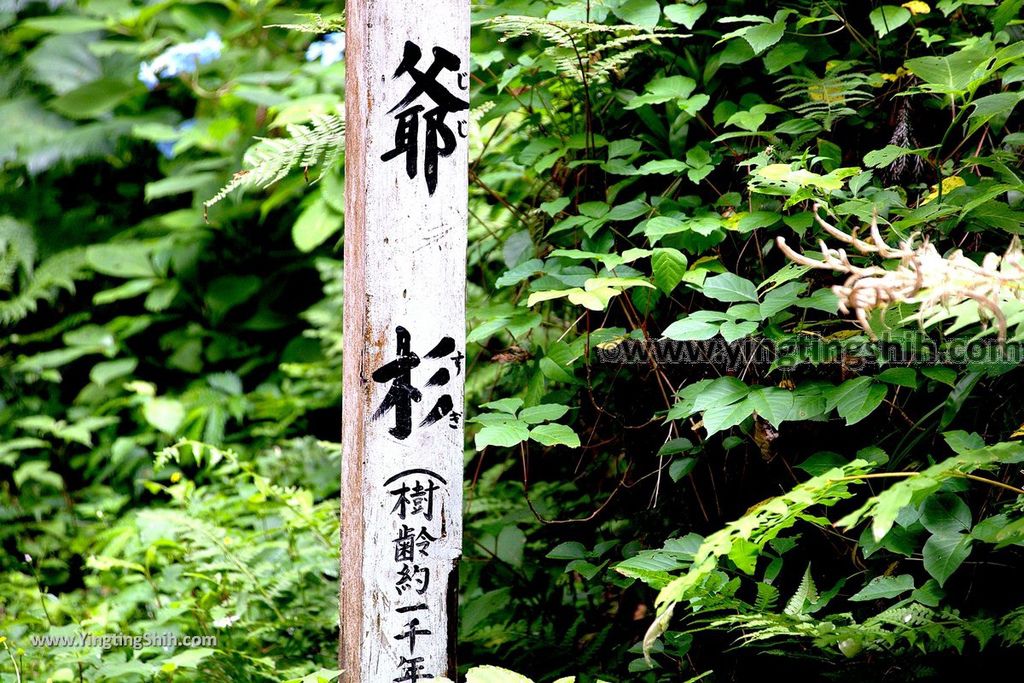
(917, 7)
(547, 295)
(595, 299)
(596, 283)
(900, 72)
(829, 92)
(948, 185)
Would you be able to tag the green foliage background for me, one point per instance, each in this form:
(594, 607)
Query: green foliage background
(171, 347)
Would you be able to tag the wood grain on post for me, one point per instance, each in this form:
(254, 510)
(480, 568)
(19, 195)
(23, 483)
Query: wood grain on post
(407, 121)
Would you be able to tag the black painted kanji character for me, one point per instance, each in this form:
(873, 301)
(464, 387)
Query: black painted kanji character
(406, 136)
(423, 541)
(402, 393)
(405, 545)
(426, 81)
(439, 141)
(411, 669)
(411, 631)
(457, 359)
(402, 504)
(422, 498)
(413, 576)
(444, 403)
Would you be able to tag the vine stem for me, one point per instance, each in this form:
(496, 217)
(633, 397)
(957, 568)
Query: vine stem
(17, 671)
(973, 477)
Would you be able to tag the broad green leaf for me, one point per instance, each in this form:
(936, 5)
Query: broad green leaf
(569, 550)
(93, 99)
(121, 259)
(505, 405)
(509, 545)
(772, 404)
(744, 311)
(752, 119)
(943, 555)
(555, 434)
(166, 414)
(555, 206)
(883, 587)
(762, 36)
(681, 467)
(992, 110)
(945, 515)
(179, 184)
(904, 377)
(64, 24)
(685, 14)
(720, 392)
(639, 12)
(674, 446)
(315, 225)
(668, 267)
(783, 55)
(951, 74)
(855, 399)
(722, 417)
(888, 18)
(660, 226)
(883, 157)
(730, 288)
(542, 413)
(523, 271)
(506, 435)
(664, 90)
(104, 373)
(663, 167)
(732, 330)
(695, 327)
(781, 298)
(940, 374)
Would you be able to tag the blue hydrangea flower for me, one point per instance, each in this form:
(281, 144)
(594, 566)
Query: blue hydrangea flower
(179, 59)
(329, 50)
(166, 147)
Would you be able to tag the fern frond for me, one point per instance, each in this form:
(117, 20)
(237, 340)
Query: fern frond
(1011, 627)
(568, 41)
(58, 272)
(315, 23)
(806, 593)
(767, 597)
(17, 248)
(270, 159)
(825, 98)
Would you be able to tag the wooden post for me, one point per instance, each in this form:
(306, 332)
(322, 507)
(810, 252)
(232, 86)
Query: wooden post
(407, 118)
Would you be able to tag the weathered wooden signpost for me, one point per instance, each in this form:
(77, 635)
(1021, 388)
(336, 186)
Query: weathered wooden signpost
(407, 117)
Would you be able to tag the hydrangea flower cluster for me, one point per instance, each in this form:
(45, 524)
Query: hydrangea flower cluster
(329, 50)
(179, 59)
(166, 147)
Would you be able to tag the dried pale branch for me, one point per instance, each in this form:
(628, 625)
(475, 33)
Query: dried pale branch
(922, 276)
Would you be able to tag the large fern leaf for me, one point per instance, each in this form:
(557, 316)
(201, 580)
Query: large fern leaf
(319, 143)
